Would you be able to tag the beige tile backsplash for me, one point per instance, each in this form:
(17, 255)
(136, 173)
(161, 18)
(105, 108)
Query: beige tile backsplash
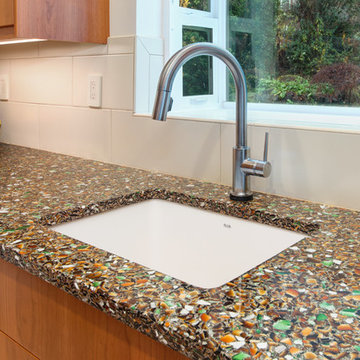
(179, 147)
(19, 124)
(48, 110)
(306, 164)
(17, 51)
(76, 131)
(41, 80)
(118, 82)
(4, 66)
(61, 49)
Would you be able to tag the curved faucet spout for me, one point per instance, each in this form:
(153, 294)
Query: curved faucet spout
(243, 166)
(187, 53)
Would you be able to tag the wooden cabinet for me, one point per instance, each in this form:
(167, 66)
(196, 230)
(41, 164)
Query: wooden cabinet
(9, 349)
(6, 13)
(51, 324)
(64, 20)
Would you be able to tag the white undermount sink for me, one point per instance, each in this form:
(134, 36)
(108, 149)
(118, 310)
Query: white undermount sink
(202, 248)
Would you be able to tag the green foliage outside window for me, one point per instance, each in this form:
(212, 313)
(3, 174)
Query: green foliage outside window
(316, 46)
(315, 33)
(240, 8)
(197, 73)
(241, 49)
(203, 5)
(292, 89)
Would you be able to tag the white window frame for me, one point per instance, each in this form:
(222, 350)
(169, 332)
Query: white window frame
(189, 106)
(178, 17)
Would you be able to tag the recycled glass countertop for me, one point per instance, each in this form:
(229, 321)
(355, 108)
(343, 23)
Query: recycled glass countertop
(302, 304)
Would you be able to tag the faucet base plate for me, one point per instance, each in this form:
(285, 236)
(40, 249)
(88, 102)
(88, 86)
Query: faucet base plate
(241, 197)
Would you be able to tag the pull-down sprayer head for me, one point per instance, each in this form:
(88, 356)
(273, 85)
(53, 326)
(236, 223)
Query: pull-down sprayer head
(166, 80)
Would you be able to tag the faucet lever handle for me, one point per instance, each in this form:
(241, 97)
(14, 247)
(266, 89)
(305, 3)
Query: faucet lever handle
(260, 168)
(171, 101)
(266, 146)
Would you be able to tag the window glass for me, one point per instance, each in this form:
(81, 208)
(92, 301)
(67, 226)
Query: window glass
(240, 8)
(198, 72)
(297, 51)
(241, 47)
(204, 5)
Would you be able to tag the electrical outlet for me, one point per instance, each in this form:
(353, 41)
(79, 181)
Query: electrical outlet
(95, 91)
(4, 87)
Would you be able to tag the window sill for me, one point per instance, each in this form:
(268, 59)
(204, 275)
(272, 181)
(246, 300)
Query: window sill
(324, 118)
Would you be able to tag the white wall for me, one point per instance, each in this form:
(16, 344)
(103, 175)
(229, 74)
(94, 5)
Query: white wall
(149, 19)
(47, 110)
(122, 17)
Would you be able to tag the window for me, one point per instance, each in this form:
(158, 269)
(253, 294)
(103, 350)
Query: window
(203, 5)
(200, 82)
(197, 73)
(293, 52)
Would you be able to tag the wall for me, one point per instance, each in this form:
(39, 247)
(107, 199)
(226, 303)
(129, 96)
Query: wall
(47, 110)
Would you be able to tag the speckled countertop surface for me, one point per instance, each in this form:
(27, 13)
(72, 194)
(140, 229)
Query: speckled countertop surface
(302, 304)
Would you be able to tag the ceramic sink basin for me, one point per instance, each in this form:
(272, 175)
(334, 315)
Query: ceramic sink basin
(200, 247)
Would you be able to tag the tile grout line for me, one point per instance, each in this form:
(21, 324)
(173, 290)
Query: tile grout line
(38, 120)
(220, 154)
(111, 136)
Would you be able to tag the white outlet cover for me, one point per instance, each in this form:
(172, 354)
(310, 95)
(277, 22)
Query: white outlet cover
(4, 87)
(95, 90)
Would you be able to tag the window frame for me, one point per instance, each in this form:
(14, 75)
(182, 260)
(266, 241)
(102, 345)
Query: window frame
(215, 19)
(176, 16)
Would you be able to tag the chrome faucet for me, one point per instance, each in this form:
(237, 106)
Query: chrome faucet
(243, 165)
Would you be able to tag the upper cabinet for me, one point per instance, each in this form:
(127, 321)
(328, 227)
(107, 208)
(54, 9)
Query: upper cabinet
(63, 20)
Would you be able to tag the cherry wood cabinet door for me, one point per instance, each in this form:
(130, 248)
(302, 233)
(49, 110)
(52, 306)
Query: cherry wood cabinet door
(54, 325)
(62, 20)
(6, 12)
(10, 350)
(66, 20)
